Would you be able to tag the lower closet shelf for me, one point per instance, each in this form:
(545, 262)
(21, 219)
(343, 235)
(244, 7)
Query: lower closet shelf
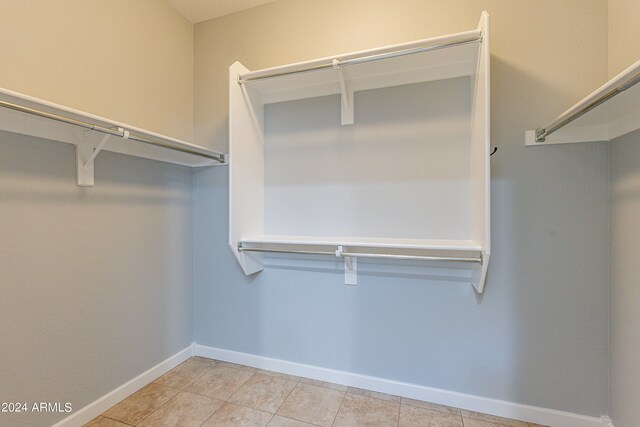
(464, 252)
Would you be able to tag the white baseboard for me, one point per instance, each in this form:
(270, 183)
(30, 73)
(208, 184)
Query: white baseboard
(606, 422)
(501, 408)
(97, 407)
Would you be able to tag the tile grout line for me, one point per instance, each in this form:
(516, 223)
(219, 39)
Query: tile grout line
(174, 388)
(289, 394)
(216, 410)
(114, 419)
(339, 407)
(156, 410)
(459, 413)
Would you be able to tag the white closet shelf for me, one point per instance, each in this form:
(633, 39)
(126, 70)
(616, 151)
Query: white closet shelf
(91, 134)
(448, 111)
(611, 111)
(368, 242)
(437, 58)
(367, 247)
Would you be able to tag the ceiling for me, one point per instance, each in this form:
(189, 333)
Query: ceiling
(201, 10)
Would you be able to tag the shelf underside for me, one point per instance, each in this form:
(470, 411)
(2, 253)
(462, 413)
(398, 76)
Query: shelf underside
(47, 128)
(377, 244)
(615, 117)
(446, 63)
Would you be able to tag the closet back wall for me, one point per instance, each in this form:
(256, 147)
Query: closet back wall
(624, 50)
(95, 283)
(539, 333)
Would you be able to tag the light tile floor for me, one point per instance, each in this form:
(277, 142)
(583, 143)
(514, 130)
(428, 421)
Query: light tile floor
(206, 392)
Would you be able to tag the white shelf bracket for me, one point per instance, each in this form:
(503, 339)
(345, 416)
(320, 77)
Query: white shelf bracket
(350, 267)
(86, 153)
(346, 96)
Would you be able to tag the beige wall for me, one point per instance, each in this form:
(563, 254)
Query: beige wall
(624, 50)
(131, 61)
(624, 34)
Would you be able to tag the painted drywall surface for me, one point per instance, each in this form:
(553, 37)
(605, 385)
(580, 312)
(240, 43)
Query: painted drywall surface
(624, 34)
(624, 385)
(625, 280)
(131, 61)
(96, 284)
(539, 333)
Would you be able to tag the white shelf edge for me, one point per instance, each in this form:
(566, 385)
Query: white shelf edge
(33, 125)
(392, 243)
(451, 38)
(615, 127)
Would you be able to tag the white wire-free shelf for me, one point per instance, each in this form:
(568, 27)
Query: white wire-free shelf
(91, 134)
(611, 111)
(407, 179)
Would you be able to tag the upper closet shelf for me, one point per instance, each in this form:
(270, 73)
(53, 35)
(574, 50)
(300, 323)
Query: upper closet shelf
(91, 134)
(419, 61)
(611, 111)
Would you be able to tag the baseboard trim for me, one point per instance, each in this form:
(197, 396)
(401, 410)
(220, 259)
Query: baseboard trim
(97, 407)
(532, 414)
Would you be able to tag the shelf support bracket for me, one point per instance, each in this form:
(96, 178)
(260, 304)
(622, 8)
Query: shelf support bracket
(86, 153)
(350, 267)
(346, 96)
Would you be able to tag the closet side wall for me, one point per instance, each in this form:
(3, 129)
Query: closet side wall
(95, 283)
(624, 49)
(538, 335)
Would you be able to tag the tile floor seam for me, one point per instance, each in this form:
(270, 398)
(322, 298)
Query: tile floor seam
(308, 422)
(193, 382)
(324, 386)
(289, 417)
(399, 407)
(499, 424)
(270, 419)
(207, 419)
(371, 397)
(248, 407)
(155, 410)
(224, 400)
(285, 399)
(339, 406)
(431, 409)
(114, 419)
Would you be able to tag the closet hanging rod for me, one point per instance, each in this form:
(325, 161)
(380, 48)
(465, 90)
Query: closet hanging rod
(477, 259)
(104, 130)
(570, 115)
(475, 38)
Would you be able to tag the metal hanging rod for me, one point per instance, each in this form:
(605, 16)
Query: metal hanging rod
(369, 58)
(114, 132)
(415, 257)
(568, 117)
(338, 252)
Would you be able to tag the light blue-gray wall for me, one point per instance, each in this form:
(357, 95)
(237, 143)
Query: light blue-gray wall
(95, 283)
(625, 280)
